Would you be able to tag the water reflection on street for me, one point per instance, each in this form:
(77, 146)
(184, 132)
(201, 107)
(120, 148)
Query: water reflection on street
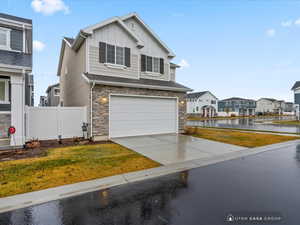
(249, 123)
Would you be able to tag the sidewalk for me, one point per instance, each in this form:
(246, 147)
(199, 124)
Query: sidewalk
(39, 197)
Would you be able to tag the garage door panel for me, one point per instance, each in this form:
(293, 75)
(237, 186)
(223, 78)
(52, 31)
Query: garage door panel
(130, 116)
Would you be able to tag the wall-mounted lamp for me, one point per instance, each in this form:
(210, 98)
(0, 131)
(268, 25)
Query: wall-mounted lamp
(181, 102)
(103, 99)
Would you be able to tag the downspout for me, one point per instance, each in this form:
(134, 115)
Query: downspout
(91, 113)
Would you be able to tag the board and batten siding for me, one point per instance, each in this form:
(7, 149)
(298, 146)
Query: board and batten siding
(114, 34)
(100, 68)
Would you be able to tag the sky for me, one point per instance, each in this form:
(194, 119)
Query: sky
(241, 48)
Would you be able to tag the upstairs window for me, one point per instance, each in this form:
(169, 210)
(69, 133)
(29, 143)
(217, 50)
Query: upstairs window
(4, 38)
(56, 92)
(113, 54)
(152, 64)
(4, 92)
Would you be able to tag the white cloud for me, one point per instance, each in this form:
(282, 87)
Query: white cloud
(297, 22)
(48, 7)
(184, 64)
(287, 23)
(38, 46)
(271, 32)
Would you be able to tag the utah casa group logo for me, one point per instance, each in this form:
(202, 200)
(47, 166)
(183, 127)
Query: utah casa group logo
(253, 218)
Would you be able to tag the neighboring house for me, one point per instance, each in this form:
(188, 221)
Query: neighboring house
(236, 106)
(202, 103)
(16, 81)
(53, 93)
(122, 72)
(270, 105)
(43, 101)
(296, 89)
(289, 107)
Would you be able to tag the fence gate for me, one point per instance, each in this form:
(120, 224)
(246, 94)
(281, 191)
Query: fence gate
(47, 123)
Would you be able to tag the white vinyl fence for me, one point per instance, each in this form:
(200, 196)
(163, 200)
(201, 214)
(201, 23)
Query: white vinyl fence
(47, 123)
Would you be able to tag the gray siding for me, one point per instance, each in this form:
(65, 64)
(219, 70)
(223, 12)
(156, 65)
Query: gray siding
(297, 98)
(15, 58)
(16, 40)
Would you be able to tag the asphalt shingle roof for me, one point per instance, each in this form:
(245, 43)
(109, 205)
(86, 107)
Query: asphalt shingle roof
(70, 40)
(11, 17)
(196, 94)
(296, 85)
(141, 81)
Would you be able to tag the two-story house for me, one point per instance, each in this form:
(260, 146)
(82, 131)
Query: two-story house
(16, 81)
(202, 103)
(122, 72)
(236, 106)
(53, 93)
(270, 105)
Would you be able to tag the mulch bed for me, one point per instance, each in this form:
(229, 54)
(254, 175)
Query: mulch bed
(23, 153)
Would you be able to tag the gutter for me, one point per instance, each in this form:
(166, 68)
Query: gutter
(91, 108)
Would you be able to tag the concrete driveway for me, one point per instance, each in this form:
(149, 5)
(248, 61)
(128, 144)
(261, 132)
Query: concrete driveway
(173, 148)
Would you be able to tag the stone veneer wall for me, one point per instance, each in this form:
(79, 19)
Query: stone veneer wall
(4, 125)
(100, 109)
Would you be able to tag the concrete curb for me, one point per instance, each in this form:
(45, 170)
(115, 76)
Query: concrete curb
(70, 190)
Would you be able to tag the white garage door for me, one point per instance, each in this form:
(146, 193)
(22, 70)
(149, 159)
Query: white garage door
(131, 116)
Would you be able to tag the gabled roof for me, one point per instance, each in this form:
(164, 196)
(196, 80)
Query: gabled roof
(296, 85)
(199, 94)
(69, 40)
(15, 18)
(137, 17)
(135, 83)
(270, 99)
(76, 43)
(89, 30)
(52, 86)
(237, 98)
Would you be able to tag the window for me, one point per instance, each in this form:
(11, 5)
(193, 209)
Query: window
(111, 54)
(155, 65)
(119, 55)
(56, 91)
(149, 64)
(4, 93)
(213, 102)
(4, 38)
(152, 64)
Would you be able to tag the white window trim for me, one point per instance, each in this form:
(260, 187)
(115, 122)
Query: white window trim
(152, 73)
(54, 92)
(7, 46)
(115, 65)
(6, 101)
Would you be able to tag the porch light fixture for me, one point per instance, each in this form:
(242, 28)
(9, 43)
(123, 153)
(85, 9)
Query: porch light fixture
(103, 100)
(182, 102)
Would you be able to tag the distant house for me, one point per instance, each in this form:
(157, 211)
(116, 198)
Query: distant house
(203, 103)
(43, 101)
(236, 106)
(289, 107)
(53, 95)
(296, 89)
(270, 105)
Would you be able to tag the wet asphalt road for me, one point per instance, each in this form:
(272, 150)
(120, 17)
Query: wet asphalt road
(247, 123)
(263, 184)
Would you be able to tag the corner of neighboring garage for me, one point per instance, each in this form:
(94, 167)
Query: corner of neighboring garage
(123, 111)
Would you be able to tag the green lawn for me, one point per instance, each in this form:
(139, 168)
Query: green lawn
(69, 165)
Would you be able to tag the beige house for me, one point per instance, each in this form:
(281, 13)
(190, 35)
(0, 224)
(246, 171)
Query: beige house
(122, 72)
